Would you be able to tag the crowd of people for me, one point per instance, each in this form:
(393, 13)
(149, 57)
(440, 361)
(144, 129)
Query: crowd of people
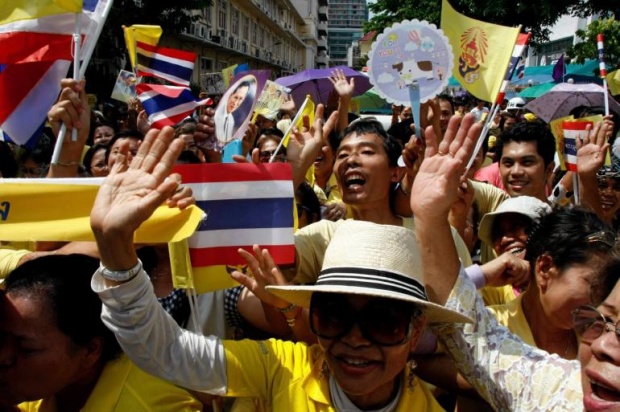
(417, 284)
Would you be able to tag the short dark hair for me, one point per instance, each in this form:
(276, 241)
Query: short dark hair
(537, 132)
(447, 98)
(392, 146)
(125, 134)
(563, 235)
(63, 282)
(90, 153)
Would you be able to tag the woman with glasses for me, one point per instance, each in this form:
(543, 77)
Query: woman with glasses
(508, 373)
(94, 161)
(269, 147)
(367, 309)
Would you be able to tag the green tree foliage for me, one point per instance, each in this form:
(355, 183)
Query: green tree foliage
(533, 16)
(587, 49)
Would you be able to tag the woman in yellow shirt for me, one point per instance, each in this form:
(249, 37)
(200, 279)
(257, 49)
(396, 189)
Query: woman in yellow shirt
(56, 354)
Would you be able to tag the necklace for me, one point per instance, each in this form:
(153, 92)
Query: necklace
(568, 344)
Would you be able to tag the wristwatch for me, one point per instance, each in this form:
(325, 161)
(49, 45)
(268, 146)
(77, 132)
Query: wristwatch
(120, 275)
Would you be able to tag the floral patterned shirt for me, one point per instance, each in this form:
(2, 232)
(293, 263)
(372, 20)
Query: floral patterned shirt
(509, 374)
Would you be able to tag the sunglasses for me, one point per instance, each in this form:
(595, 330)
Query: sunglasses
(589, 323)
(266, 154)
(383, 322)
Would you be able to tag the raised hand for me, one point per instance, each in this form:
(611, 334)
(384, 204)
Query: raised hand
(305, 145)
(264, 273)
(130, 194)
(435, 188)
(591, 152)
(343, 87)
(71, 109)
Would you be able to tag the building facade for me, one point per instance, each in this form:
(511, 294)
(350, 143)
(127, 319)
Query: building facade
(346, 22)
(314, 32)
(561, 38)
(266, 34)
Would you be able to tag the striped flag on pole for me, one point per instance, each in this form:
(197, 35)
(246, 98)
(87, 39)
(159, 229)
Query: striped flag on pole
(35, 54)
(246, 204)
(167, 105)
(517, 51)
(175, 66)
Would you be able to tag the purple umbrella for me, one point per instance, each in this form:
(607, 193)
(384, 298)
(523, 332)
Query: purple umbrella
(561, 99)
(315, 82)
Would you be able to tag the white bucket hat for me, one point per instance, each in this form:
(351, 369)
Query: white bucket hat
(368, 259)
(527, 206)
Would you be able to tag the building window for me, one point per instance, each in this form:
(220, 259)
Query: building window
(234, 21)
(206, 65)
(261, 38)
(246, 27)
(222, 14)
(254, 32)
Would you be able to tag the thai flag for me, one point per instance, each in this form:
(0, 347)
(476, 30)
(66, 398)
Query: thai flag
(517, 51)
(521, 69)
(245, 204)
(35, 54)
(167, 105)
(175, 66)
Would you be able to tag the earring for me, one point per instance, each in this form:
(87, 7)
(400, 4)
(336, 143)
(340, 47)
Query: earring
(324, 370)
(411, 365)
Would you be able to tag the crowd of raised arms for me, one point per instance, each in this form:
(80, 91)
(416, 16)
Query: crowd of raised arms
(417, 285)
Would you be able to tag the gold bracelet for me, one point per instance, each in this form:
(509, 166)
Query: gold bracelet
(59, 163)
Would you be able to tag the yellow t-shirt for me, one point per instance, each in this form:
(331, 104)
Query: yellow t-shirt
(9, 259)
(289, 377)
(123, 387)
(311, 243)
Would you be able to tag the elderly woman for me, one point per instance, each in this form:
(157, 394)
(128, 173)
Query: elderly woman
(367, 309)
(509, 374)
(57, 355)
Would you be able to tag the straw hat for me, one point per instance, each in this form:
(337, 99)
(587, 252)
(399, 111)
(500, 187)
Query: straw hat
(527, 206)
(368, 259)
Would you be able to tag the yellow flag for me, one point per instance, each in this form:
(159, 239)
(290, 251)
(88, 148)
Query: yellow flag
(16, 10)
(306, 109)
(228, 73)
(74, 6)
(482, 51)
(613, 81)
(59, 210)
(140, 33)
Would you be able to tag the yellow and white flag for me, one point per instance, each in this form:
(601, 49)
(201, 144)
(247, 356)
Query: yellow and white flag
(482, 51)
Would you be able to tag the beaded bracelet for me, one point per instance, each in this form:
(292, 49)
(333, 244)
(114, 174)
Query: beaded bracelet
(286, 309)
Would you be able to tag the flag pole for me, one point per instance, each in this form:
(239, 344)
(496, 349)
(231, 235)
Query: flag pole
(90, 45)
(602, 69)
(77, 38)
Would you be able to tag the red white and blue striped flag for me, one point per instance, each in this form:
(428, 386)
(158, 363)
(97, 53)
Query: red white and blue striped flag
(167, 105)
(517, 51)
(35, 54)
(175, 66)
(246, 204)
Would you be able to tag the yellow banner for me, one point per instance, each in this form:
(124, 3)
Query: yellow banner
(482, 51)
(43, 211)
(140, 33)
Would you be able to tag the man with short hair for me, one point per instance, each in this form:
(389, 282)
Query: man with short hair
(525, 155)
